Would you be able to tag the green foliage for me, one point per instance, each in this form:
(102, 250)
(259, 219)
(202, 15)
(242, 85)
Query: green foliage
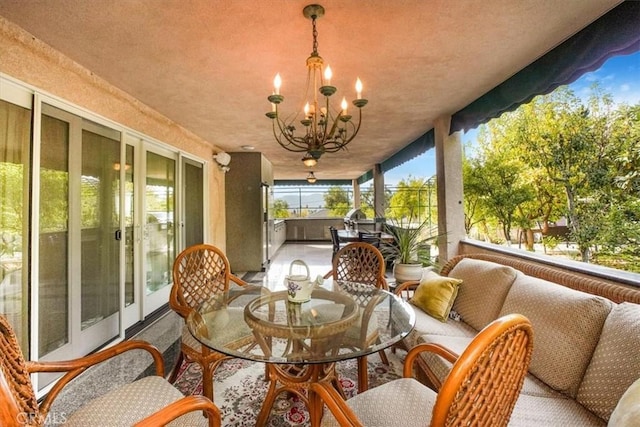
(412, 242)
(498, 188)
(280, 208)
(11, 197)
(54, 200)
(559, 156)
(336, 199)
(413, 197)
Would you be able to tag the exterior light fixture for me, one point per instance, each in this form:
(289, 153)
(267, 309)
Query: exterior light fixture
(325, 129)
(222, 159)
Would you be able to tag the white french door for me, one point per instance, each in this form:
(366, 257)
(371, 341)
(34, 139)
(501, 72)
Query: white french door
(76, 244)
(164, 211)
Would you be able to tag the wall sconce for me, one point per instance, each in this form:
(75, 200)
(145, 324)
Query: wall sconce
(222, 159)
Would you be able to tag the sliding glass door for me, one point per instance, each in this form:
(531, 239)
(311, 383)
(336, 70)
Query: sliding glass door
(92, 216)
(163, 216)
(78, 250)
(159, 226)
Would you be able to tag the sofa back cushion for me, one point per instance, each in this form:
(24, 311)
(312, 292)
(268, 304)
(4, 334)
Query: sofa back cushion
(615, 364)
(566, 328)
(483, 289)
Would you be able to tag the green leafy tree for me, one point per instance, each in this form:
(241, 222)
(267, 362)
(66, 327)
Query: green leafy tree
(502, 189)
(473, 193)
(571, 142)
(579, 158)
(414, 197)
(367, 203)
(280, 208)
(511, 192)
(336, 199)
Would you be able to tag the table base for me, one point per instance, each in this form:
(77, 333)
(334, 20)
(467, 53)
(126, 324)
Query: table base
(296, 379)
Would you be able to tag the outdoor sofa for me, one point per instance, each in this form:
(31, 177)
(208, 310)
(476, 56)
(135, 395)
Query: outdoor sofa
(586, 333)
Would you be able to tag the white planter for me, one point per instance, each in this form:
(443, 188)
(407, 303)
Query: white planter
(406, 272)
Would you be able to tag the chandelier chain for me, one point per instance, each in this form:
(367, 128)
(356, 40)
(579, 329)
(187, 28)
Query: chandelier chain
(315, 36)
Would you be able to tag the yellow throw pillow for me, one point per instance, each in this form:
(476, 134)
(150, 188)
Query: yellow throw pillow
(435, 295)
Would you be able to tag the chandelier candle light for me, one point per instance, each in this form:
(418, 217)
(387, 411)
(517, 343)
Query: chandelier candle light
(324, 131)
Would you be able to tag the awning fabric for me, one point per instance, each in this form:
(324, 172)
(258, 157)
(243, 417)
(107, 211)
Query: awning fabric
(615, 33)
(414, 149)
(304, 182)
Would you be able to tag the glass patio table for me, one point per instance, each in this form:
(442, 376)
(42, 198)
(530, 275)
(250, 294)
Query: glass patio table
(301, 342)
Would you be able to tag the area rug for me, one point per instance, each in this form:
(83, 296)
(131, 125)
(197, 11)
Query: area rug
(240, 389)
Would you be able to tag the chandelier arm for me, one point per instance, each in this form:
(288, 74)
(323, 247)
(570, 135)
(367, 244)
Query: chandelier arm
(335, 122)
(297, 142)
(333, 146)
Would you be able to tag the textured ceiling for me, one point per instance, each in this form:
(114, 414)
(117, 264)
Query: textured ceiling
(209, 64)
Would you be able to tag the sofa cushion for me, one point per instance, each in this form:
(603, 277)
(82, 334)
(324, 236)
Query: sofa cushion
(559, 410)
(426, 324)
(627, 411)
(435, 295)
(615, 363)
(566, 328)
(484, 287)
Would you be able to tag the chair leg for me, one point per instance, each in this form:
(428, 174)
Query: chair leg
(363, 374)
(383, 357)
(207, 380)
(176, 368)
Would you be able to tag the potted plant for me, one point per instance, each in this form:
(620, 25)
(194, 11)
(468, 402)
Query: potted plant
(410, 251)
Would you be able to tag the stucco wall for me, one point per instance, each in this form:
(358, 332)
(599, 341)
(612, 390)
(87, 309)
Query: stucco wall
(35, 63)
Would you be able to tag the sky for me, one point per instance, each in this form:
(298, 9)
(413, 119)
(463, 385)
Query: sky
(619, 76)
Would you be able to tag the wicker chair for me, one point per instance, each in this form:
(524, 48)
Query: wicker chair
(147, 402)
(481, 389)
(199, 273)
(363, 263)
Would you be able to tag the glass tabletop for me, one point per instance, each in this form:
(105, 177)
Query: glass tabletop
(342, 320)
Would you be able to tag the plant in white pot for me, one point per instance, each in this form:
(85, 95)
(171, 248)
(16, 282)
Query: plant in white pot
(410, 250)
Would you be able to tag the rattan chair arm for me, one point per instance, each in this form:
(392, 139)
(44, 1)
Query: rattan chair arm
(405, 286)
(237, 280)
(181, 407)
(328, 275)
(433, 348)
(178, 304)
(75, 367)
(336, 404)
(383, 284)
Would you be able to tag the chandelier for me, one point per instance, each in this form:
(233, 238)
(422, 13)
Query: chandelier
(324, 130)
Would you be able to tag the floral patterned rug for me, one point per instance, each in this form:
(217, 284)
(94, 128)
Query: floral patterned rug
(240, 389)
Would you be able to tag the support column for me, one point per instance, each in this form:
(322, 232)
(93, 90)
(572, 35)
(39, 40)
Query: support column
(378, 191)
(356, 193)
(449, 189)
